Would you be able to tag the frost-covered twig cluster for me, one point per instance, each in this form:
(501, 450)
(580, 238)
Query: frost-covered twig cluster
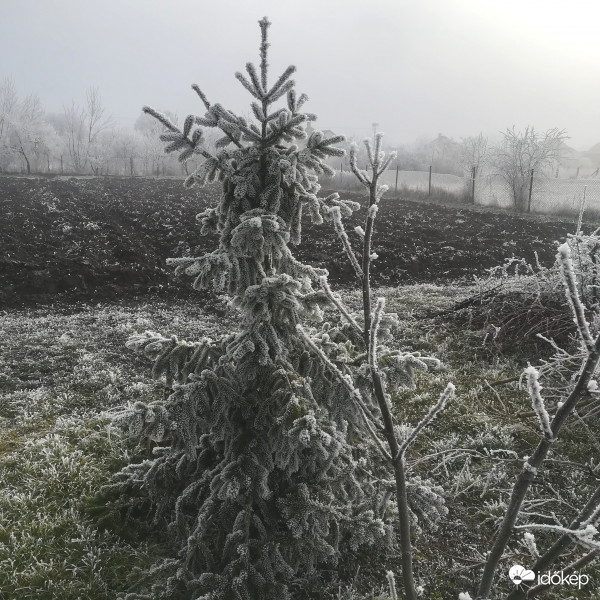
(521, 301)
(550, 431)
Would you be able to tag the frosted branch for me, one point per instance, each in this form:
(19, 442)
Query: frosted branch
(251, 70)
(369, 147)
(162, 118)
(303, 99)
(564, 259)
(347, 383)
(264, 45)
(429, 417)
(338, 303)
(282, 79)
(373, 333)
(354, 167)
(585, 535)
(339, 228)
(537, 402)
(258, 112)
(248, 85)
(529, 542)
(378, 154)
(200, 93)
(287, 86)
(593, 518)
(386, 162)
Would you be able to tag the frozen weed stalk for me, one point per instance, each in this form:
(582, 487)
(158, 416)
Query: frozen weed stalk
(386, 367)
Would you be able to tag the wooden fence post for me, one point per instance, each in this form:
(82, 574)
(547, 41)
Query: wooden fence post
(473, 185)
(430, 180)
(396, 187)
(530, 190)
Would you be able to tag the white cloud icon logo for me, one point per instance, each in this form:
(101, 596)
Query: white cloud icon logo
(519, 574)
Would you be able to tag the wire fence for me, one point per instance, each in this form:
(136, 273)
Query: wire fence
(131, 165)
(398, 180)
(540, 194)
(565, 195)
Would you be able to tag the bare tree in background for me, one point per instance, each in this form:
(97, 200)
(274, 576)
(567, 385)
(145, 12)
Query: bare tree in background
(83, 126)
(474, 152)
(8, 107)
(152, 152)
(74, 121)
(26, 131)
(125, 145)
(520, 152)
(96, 122)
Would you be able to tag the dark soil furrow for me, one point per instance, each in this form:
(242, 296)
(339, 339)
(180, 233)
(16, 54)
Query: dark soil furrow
(92, 239)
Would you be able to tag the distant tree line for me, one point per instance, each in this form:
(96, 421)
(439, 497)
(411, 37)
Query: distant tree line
(82, 139)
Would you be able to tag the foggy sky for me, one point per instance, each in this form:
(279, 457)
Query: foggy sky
(416, 68)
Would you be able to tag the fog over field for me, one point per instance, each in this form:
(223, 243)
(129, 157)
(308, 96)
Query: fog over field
(455, 67)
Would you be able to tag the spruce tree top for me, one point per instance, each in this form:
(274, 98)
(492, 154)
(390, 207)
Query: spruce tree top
(267, 180)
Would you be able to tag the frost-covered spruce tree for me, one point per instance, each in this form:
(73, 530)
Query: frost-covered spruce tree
(267, 479)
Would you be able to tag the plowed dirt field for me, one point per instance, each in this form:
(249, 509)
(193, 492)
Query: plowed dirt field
(78, 239)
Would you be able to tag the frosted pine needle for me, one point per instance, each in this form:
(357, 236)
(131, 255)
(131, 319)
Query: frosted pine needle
(434, 411)
(338, 303)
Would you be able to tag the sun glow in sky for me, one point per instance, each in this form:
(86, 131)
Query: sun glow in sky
(455, 67)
